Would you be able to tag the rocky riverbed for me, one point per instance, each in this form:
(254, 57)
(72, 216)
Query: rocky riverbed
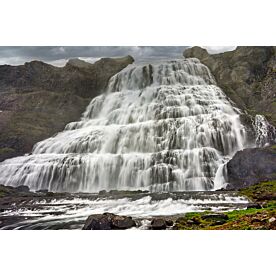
(250, 208)
(22, 209)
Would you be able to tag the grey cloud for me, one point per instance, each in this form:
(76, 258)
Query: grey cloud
(52, 53)
(59, 54)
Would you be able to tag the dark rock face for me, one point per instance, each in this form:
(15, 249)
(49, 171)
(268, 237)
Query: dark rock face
(247, 75)
(108, 221)
(158, 224)
(37, 99)
(254, 206)
(14, 191)
(22, 188)
(213, 216)
(251, 166)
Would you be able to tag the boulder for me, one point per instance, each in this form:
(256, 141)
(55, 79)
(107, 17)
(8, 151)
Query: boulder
(251, 166)
(22, 189)
(158, 224)
(43, 191)
(169, 222)
(98, 222)
(108, 221)
(254, 206)
(102, 193)
(122, 222)
(215, 216)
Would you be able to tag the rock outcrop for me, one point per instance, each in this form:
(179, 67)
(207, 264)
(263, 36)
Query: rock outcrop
(108, 221)
(247, 75)
(251, 166)
(37, 99)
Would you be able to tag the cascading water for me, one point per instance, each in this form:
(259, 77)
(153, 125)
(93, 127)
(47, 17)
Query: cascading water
(160, 127)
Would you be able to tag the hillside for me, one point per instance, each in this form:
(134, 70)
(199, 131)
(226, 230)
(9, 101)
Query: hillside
(37, 99)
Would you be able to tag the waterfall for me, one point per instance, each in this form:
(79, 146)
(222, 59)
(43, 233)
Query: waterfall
(158, 127)
(265, 132)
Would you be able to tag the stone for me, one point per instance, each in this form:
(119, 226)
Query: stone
(218, 222)
(254, 206)
(97, 222)
(108, 221)
(272, 220)
(215, 216)
(251, 166)
(122, 222)
(22, 189)
(44, 191)
(158, 224)
(102, 192)
(169, 222)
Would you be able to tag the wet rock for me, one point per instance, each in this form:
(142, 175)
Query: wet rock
(196, 221)
(102, 192)
(125, 192)
(254, 206)
(22, 189)
(122, 222)
(216, 216)
(97, 222)
(270, 196)
(251, 166)
(158, 224)
(44, 191)
(169, 222)
(108, 221)
(218, 222)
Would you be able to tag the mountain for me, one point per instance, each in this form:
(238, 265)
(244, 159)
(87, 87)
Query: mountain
(247, 75)
(37, 99)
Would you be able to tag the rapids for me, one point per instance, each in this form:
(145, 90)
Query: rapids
(158, 127)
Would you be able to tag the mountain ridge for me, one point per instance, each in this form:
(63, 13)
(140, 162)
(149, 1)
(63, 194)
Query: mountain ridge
(38, 99)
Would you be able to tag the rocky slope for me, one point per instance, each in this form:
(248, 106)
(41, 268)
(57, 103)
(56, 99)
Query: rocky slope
(37, 99)
(247, 75)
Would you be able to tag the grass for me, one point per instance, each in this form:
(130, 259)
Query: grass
(259, 191)
(247, 219)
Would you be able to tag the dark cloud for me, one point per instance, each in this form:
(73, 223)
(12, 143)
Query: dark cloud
(58, 55)
(17, 55)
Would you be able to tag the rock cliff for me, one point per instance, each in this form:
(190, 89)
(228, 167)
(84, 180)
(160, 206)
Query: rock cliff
(37, 99)
(251, 166)
(247, 75)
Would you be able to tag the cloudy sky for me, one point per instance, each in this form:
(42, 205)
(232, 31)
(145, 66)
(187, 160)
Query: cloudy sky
(58, 55)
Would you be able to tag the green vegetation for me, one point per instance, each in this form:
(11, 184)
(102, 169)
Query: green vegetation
(261, 191)
(261, 215)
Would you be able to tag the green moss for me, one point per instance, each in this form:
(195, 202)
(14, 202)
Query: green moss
(237, 220)
(259, 190)
(246, 219)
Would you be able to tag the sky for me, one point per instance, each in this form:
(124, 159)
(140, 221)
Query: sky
(59, 55)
